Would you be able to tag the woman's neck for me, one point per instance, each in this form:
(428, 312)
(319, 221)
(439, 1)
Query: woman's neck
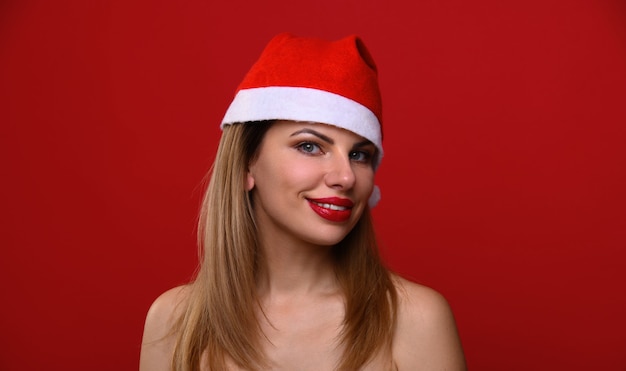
(295, 268)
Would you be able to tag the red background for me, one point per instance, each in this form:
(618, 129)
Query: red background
(503, 181)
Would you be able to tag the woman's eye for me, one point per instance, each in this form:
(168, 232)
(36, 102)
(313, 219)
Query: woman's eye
(360, 156)
(309, 148)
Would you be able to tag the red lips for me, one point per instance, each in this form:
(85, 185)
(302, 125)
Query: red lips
(334, 209)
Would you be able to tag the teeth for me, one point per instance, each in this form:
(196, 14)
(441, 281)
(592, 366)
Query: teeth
(331, 206)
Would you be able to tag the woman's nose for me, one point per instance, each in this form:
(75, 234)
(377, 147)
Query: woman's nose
(340, 174)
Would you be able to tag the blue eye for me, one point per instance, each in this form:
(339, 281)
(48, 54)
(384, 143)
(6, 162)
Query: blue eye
(360, 156)
(308, 148)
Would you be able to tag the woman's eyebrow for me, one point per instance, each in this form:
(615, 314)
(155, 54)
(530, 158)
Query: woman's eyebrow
(328, 139)
(363, 144)
(317, 134)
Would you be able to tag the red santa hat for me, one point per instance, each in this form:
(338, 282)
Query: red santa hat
(310, 79)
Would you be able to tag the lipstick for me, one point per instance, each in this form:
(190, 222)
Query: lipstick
(334, 209)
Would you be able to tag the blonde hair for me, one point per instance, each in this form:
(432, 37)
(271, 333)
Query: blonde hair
(220, 316)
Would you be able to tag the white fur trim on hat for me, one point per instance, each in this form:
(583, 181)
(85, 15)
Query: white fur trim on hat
(304, 104)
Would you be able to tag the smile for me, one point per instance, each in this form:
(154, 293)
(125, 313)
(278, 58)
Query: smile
(332, 209)
(330, 206)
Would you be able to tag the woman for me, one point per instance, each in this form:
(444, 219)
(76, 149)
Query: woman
(290, 277)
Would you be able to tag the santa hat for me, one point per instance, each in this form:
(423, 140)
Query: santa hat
(310, 79)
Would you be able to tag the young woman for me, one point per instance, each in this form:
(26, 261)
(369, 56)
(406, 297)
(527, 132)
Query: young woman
(290, 277)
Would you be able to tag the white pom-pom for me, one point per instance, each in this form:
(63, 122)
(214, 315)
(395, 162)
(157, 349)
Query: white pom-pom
(374, 197)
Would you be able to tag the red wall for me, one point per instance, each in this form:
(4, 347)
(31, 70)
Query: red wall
(503, 181)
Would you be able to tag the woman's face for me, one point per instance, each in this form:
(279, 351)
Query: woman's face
(310, 182)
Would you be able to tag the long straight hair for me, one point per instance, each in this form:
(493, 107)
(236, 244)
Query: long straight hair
(219, 319)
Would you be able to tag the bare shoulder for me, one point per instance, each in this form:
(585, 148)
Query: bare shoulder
(426, 336)
(157, 344)
(421, 303)
(165, 309)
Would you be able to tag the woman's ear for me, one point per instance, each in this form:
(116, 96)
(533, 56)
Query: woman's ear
(249, 181)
